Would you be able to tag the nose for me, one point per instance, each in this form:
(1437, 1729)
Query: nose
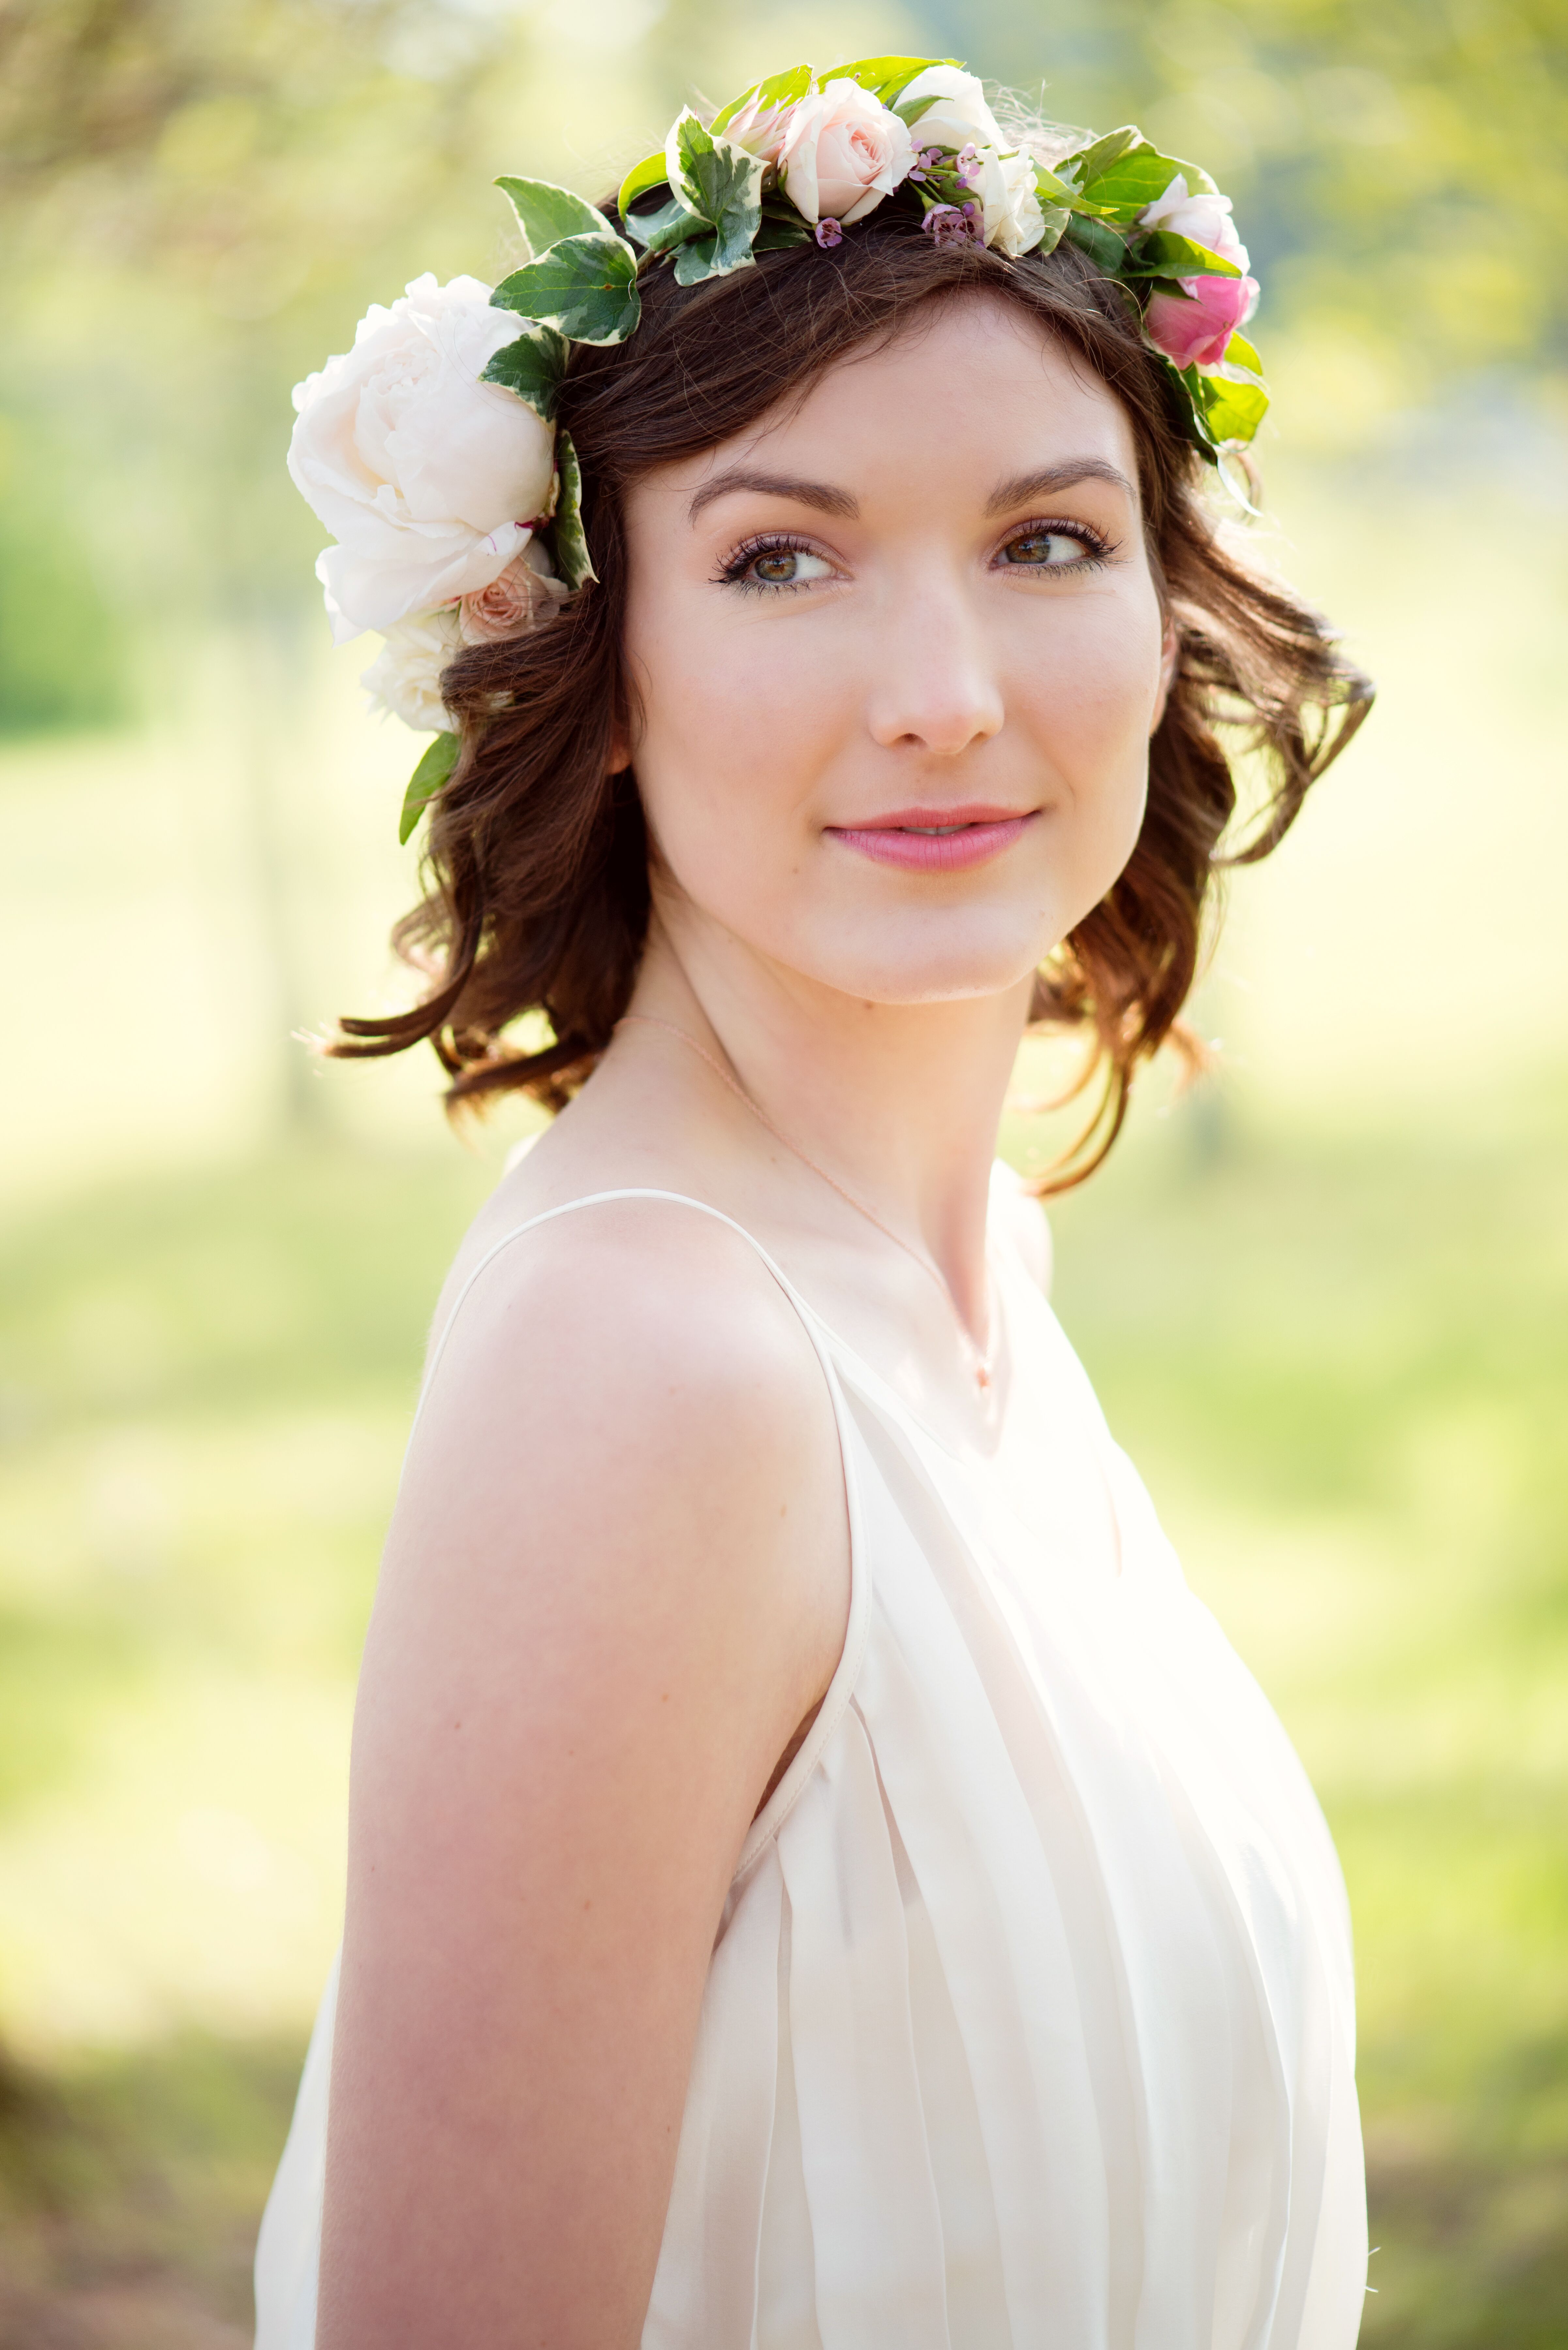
(937, 687)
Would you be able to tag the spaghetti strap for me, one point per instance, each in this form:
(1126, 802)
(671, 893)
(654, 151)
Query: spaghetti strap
(787, 1793)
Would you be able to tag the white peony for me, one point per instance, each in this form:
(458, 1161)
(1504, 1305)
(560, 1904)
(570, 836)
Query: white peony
(405, 676)
(1205, 219)
(1004, 183)
(425, 476)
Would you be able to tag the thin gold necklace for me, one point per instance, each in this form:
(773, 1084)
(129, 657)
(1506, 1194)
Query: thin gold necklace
(979, 1357)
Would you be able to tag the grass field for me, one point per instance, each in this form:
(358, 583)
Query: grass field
(1325, 1304)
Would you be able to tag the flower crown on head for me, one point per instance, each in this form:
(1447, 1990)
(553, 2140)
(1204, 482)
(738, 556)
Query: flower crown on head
(432, 451)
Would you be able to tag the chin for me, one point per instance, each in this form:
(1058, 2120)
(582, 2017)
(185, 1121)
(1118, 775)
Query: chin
(985, 951)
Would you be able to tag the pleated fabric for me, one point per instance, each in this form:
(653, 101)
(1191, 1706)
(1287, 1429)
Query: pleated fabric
(1029, 2025)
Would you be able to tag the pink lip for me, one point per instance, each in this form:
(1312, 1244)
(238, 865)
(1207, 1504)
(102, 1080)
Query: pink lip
(934, 840)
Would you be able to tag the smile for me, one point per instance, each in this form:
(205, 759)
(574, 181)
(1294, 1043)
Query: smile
(934, 840)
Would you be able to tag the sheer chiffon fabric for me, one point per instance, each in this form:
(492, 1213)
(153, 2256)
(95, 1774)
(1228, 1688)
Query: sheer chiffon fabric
(1030, 2020)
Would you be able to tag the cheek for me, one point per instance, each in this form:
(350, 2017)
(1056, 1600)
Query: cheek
(731, 725)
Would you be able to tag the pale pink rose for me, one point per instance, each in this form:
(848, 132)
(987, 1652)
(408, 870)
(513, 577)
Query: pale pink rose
(1205, 219)
(526, 593)
(843, 151)
(760, 129)
(1192, 328)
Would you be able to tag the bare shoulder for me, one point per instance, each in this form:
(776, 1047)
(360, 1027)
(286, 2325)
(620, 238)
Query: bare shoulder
(627, 1461)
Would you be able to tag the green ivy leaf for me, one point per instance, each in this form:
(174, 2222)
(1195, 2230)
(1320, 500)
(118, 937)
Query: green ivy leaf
(572, 559)
(886, 78)
(533, 368)
(1238, 352)
(433, 770)
(779, 90)
(694, 262)
(1159, 253)
(584, 286)
(1102, 244)
(547, 213)
(722, 184)
(663, 230)
(652, 172)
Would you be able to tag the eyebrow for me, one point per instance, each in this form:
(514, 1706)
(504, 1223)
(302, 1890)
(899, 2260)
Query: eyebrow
(1048, 479)
(823, 496)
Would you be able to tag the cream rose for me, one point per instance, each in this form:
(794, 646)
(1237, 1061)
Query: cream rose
(1205, 219)
(404, 678)
(426, 477)
(526, 593)
(842, 153)
(957, 116)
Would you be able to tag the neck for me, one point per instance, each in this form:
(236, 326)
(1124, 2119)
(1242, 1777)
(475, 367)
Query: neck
(899, 1103)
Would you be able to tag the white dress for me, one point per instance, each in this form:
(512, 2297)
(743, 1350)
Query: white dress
(1030, 2022)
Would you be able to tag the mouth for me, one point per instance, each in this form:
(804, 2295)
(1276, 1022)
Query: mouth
(935, 841)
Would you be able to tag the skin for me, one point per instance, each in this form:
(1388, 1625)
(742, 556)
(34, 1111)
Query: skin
(617, 1582)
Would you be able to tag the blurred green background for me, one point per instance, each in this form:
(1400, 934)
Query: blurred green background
(1322, 1296)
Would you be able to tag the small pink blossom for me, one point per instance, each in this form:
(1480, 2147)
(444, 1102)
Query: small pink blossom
(1192, 328)
(525, 593)
(829, 232)
(955, 224)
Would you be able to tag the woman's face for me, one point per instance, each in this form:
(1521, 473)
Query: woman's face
(899, 654)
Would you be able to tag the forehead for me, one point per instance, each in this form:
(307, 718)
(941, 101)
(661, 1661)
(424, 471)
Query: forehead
(973, 389)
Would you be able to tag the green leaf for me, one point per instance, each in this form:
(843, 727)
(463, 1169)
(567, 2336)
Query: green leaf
(1052, 191)
(652, 172)
(1238, 352)
(886, 78)
(433, 770)
(1055, 217)
(533, 368)
(779, 90)
(1102, 244)
(1139, 177)
(584, 286)
(722, 184)
(1159, 253)
(670, 225)
(1089, 162)
(780, 231)
(547, 213)
(1232, 411)
(572, 560)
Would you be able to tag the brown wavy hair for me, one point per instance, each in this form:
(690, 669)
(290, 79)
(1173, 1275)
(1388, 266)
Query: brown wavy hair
(535, 871)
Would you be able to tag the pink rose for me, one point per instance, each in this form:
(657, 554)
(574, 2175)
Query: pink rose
(760, 129)
(843, 151)
(525, 593)
(1192, 328)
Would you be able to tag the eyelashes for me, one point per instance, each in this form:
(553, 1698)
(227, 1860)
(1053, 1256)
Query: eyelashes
(779, 563)
(788, 553)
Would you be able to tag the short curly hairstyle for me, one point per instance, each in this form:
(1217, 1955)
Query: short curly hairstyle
(535, 873)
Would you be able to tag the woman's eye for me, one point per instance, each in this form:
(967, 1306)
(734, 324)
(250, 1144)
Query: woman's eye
(784, 567)
(1048, 550)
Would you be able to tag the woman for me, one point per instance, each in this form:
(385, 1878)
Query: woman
(815, 1877)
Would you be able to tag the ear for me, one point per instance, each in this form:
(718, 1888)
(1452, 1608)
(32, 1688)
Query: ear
(618, 758)
(1169, 653)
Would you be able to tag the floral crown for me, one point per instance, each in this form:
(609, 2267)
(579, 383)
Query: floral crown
(425, 447)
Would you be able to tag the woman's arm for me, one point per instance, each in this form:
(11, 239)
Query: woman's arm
(616, 1581)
